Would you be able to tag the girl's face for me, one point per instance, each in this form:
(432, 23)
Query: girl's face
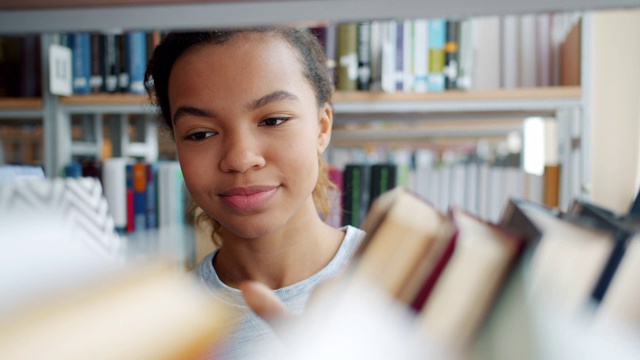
(248, 132)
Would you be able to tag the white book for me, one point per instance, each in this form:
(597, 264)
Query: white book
(510, 39)
(471, 188)
(420, 54)
(376, 55)
(487, 48)
(457, 190)
(483, 190)
(407, 56)
(114, 182)
(528, 56)
(466, 56)
(543, 50)
(389, 39)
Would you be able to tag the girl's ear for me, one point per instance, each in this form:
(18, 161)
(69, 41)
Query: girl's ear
(325, 123)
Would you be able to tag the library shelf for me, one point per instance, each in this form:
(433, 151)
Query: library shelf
(19, 108)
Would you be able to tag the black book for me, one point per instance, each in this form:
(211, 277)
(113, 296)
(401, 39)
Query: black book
(383, 179)
(451, 54)
(355, 195)
(110, 53)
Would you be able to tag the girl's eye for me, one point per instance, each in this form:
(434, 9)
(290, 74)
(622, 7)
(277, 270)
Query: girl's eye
(200, 135)
(273, 121)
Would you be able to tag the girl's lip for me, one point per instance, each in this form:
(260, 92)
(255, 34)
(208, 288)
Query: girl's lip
(246, 199)
(247, 190)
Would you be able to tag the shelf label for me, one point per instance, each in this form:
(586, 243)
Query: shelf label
(60, 77)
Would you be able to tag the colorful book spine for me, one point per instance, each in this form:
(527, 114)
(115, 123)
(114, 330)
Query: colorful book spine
(451, 52)
(139, 196)
(399, 70)
(383, 179)
(364, 56)
(136, 60)
(420, 54)
(347, 57)
(151, 197)
(355, 199)
(111, 62)
(80, 44)
(130, 198)
(437, 40)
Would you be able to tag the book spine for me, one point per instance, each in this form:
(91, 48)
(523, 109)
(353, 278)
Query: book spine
(437, 39)
(331, 50)
(355, 197)
(96, 80)
(31, 69)
(376, 55)
(111, 62)
(136, 60)
(399, 70)
(114, 181)
(420, 54)
(407, 56)
(80, 44)
(383, 179)
(364, 56)
(123, 69)
(388, 66)
(140, 196)
(451, 55)
(151, 197)
(130, 198)
(465, 56)
(347, 57)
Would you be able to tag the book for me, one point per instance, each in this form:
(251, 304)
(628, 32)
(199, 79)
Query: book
(151, 195)
(136, 60)
(420, 54)
(382, 179)
(96, 81)
(388, 35)
(403, 234)
(347, 55)
(621, 234)
(483, 257)
(364, 56)
(355, 196)
(130, 189)
(103, 319)
(437, 40)
(80, 44)
(451, 54)
(115, 190)
(569, 257)
(139, 196)
(110, 54)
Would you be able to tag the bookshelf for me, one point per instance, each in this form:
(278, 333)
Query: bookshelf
(569, 105)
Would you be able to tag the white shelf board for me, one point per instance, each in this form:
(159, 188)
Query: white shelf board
(247, 13)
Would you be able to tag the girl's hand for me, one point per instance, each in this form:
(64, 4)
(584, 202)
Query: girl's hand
(264, 302)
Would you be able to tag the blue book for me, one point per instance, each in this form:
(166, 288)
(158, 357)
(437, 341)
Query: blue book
(136, 58)
(80, 44)
(152, 208)
(73, 170)
(437, 40)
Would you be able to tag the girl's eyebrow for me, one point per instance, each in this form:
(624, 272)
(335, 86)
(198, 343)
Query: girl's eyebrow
(190, 110)
(269, 98)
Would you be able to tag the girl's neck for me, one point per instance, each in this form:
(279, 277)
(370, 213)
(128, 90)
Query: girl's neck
(279, 259)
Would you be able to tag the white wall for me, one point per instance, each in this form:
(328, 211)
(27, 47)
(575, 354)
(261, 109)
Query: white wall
(615, 87)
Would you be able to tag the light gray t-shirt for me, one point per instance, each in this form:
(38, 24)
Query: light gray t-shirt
(251, 331)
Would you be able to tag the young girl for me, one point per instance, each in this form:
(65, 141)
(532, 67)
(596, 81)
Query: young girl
(250, 113)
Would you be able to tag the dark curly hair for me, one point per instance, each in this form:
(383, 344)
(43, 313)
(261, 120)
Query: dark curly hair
(314, 67)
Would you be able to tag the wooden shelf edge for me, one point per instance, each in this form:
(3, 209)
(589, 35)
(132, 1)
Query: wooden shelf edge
(17, 103)
(557, 92)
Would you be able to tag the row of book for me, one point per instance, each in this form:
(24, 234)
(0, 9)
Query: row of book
(420, 55)
(466, 180)
(474, 285)
(140, 195)
(20, 66)
(110, 62)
